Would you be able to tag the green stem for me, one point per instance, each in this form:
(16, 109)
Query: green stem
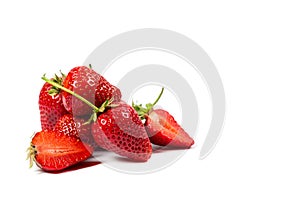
(161, 92)
(143, 112)
(70, 92)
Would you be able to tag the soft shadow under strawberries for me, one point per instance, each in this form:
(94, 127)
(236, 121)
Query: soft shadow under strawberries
(161, 149)
(75, 167)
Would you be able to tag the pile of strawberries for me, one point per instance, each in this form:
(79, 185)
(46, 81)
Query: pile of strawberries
(81, 112)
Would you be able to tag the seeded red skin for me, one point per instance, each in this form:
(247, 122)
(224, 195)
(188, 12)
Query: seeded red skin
(163, 130)
(54, 151)
(90, 85)
(120, 130)
(51, 107)
(75, 127)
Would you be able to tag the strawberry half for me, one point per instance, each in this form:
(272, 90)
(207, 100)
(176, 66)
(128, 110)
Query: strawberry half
(76, 127)
(53, 151)
(162, 128)
(90, 85)
(119, 129)
(51, 105)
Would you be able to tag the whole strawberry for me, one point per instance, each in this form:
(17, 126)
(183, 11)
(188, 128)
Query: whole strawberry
(120, 130)
(162, 128)
(53, 151)
(90, 85)
(76, 127)
(50, 104)
(118, 127)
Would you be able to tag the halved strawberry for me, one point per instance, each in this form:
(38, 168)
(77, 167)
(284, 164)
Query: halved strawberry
(162, 128)
(120, 130)
(53, 151)
(51, 105)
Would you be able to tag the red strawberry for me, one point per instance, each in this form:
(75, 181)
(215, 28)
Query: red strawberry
(120, 130)
(51, 104)
(74, 126)
(53, 151)
(162, 128)
(90, 85)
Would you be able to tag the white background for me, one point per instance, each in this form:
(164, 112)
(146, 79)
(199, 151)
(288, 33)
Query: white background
(255, 46)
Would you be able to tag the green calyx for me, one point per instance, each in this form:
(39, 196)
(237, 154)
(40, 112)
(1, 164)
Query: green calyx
(101, 109)
(31, 151)
(59, 80)
(143, 112)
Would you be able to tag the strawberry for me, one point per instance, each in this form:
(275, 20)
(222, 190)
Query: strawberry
(162, 128)
(76, 127)
(53, 151)
(50, 104)
(120, 130)
(90, 85)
